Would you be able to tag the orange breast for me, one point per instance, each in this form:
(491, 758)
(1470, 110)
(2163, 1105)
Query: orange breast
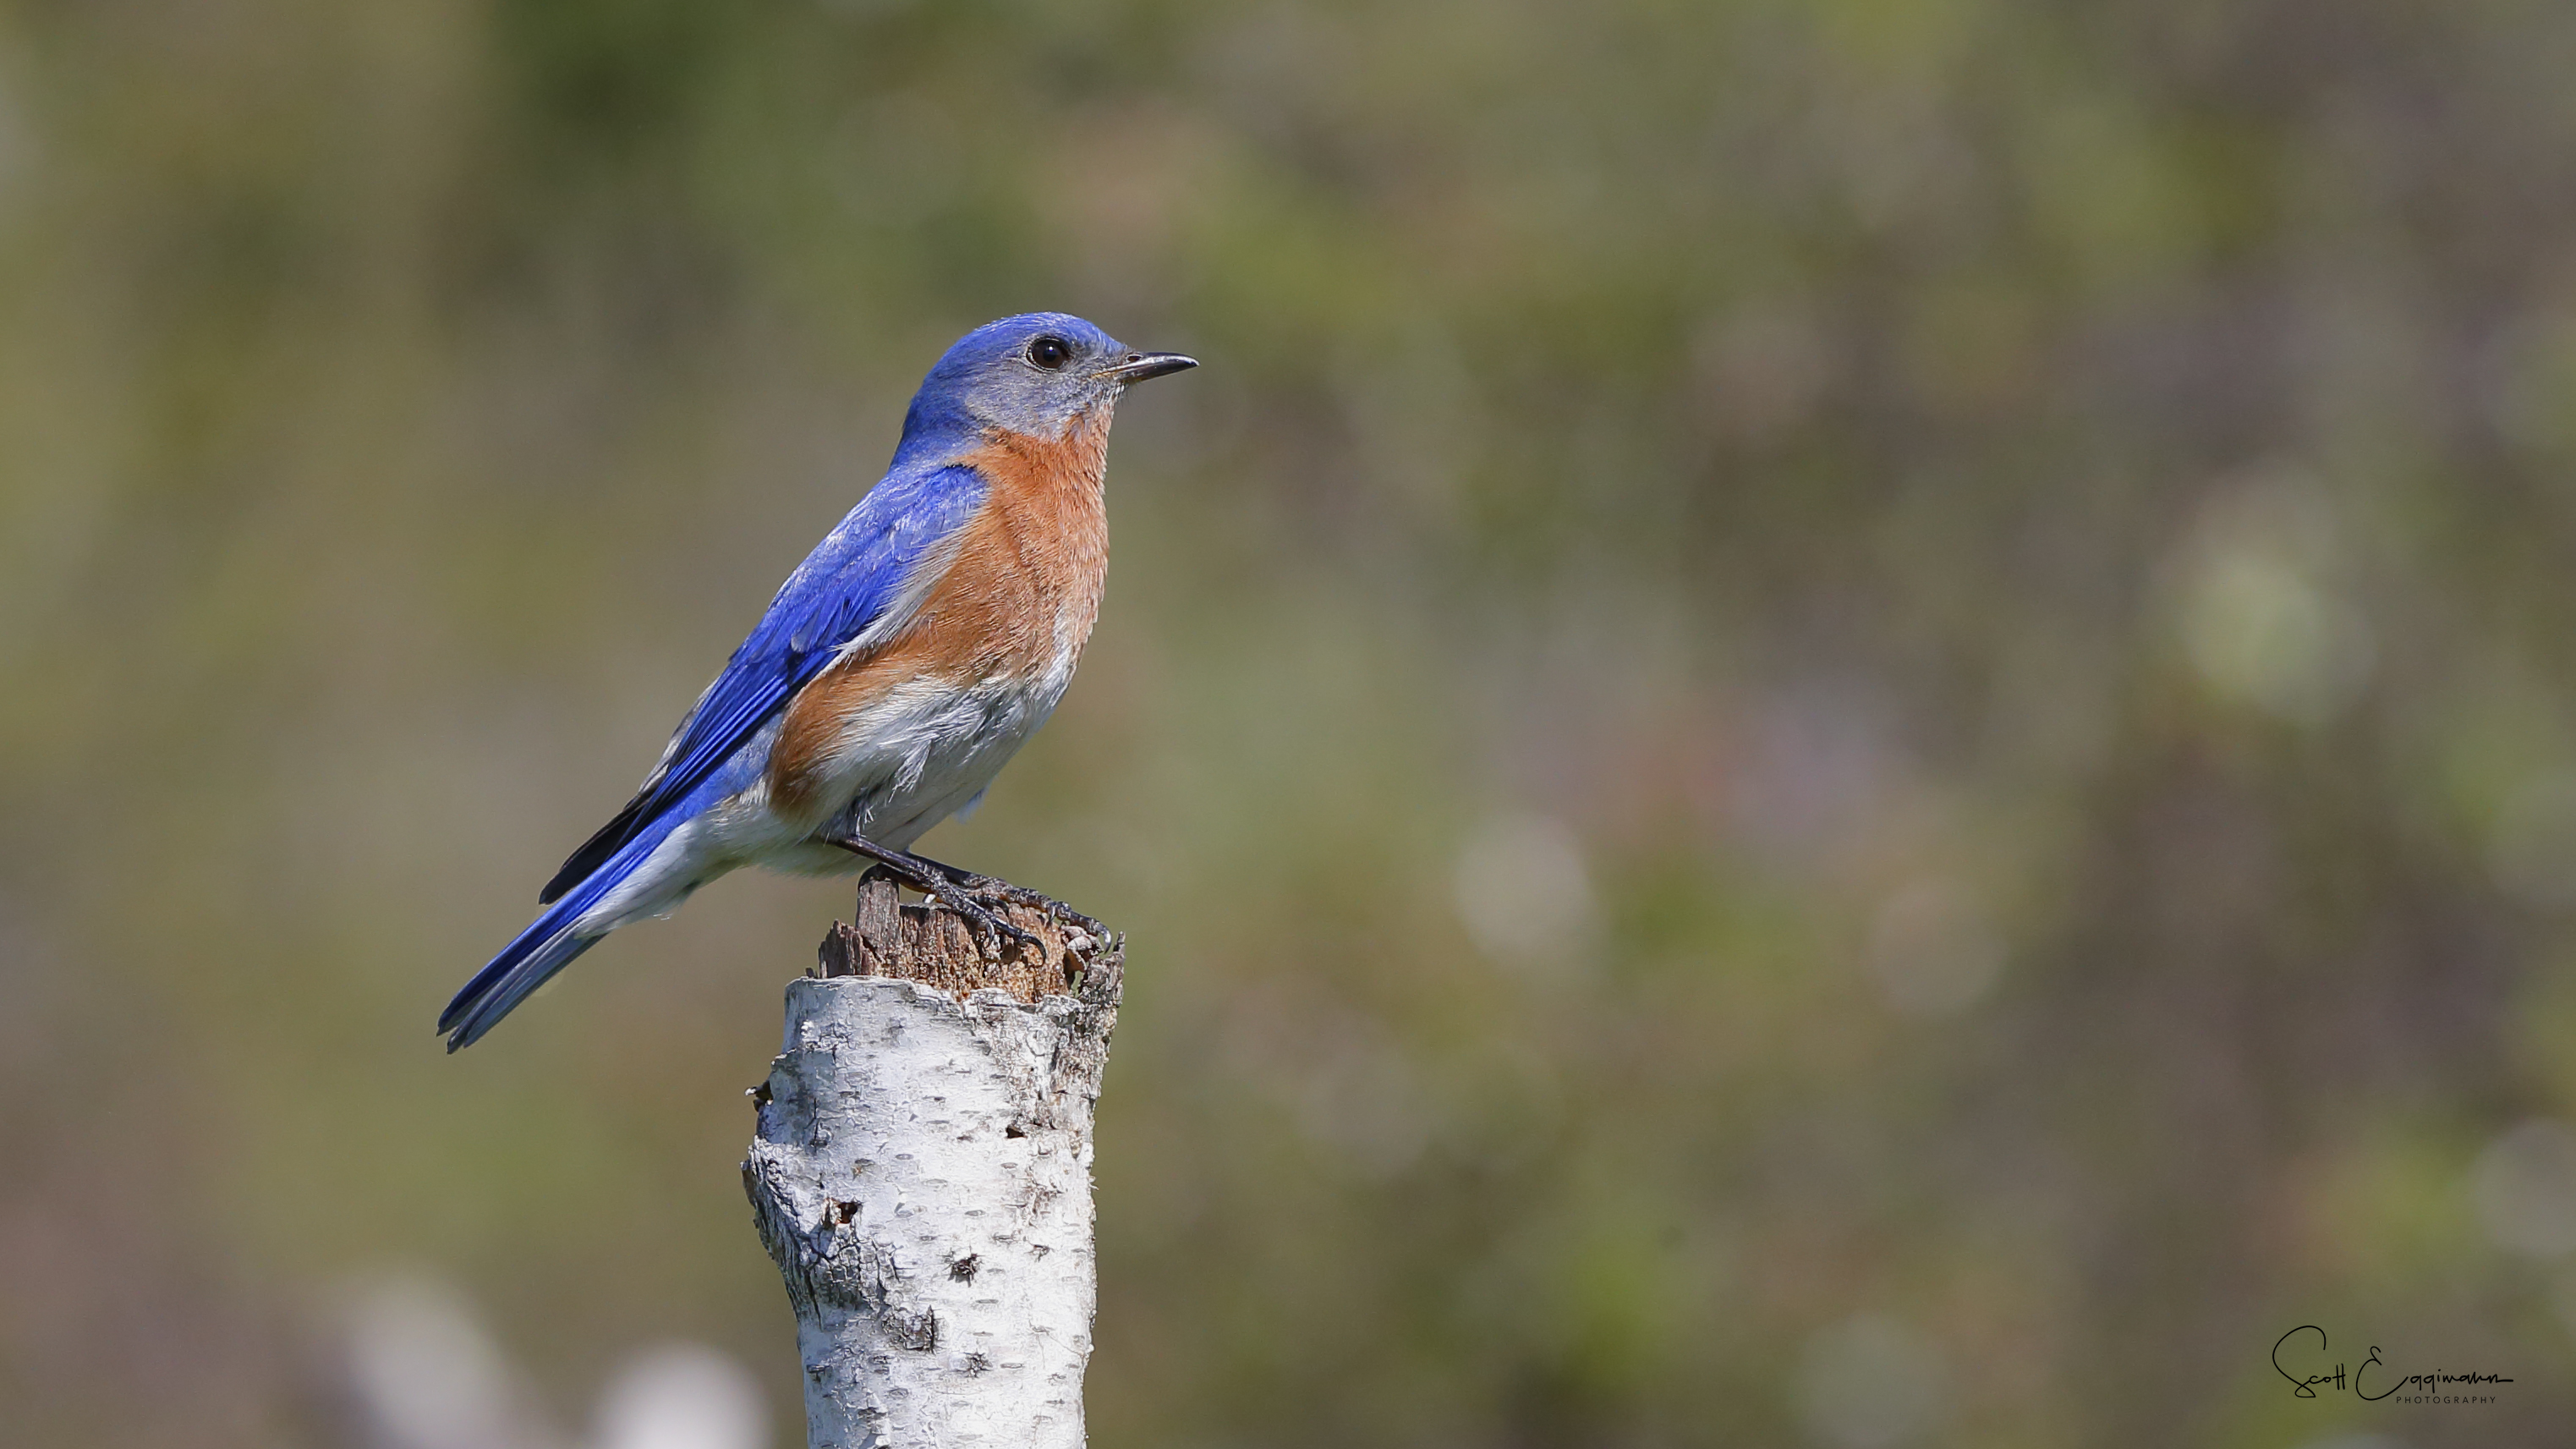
(1018, 601)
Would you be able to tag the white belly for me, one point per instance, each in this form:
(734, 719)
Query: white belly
(917, 755)
(926, 751)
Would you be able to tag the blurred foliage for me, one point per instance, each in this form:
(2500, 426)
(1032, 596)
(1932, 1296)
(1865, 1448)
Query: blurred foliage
(1833, 721)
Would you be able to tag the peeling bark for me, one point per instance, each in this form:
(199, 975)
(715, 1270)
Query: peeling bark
(922, 1177)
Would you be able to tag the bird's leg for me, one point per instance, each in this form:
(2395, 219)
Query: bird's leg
(935, 882)
(992, 887)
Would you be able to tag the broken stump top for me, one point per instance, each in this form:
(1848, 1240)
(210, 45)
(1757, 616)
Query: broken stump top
(936, 948)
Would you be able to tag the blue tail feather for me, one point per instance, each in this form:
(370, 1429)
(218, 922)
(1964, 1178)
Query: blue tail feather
(547, 946)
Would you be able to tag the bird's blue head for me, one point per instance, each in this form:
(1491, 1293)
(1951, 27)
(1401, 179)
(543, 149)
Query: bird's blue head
(1034, 374)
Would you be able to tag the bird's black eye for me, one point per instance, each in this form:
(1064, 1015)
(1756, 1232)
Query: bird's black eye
(1050, 352)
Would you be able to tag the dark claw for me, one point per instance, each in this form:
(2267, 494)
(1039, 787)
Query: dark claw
(940, 884)
(1020, 895)
(996, 888)
(965, 892)
(977, 917)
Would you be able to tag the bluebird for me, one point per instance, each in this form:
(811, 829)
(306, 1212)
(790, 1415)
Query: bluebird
(913, 652)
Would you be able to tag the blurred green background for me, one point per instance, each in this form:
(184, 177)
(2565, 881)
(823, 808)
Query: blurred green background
(1837, 722)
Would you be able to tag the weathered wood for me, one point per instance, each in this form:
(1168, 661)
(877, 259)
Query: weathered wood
(922, 1177)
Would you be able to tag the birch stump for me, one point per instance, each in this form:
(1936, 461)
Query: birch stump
(922, 1176)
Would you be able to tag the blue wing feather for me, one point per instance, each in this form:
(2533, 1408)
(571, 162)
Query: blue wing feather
(845, 587)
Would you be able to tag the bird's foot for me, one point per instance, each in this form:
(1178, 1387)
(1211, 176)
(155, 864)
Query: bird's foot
(990, 929)
(995, 889)
(938, 882)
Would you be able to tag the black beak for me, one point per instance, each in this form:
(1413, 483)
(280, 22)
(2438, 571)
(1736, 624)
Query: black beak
(1138, 366)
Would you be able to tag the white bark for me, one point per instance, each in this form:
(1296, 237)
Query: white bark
(922, 1175)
